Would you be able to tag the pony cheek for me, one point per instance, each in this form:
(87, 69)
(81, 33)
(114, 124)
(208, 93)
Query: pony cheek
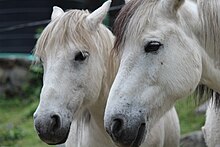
(182, 81)
(92, 91)
(73, 107)
(74, 102)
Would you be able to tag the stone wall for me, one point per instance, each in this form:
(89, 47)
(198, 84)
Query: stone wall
(14, 74)
(193, 139)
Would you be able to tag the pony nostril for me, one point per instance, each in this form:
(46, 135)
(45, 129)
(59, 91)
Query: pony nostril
(55, 122)
(116, 128)
(140, 136)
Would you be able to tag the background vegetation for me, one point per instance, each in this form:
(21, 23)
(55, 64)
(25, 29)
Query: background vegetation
(16, 114)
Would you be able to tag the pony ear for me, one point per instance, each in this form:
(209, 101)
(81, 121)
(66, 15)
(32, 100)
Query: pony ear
(173, 5)
(126, 1)
(57, 12)
(96, 17)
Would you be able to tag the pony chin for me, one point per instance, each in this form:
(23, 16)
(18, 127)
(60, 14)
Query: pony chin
(57, 141)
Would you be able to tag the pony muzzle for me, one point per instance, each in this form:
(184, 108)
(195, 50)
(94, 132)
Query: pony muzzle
(126, 131)
(51, 129)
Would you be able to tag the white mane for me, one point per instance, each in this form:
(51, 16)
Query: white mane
(209, 14)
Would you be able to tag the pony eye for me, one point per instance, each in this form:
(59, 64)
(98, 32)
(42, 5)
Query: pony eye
(81, 56)
(152, 46)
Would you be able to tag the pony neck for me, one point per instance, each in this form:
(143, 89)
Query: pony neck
(210, 73)
(97, 109)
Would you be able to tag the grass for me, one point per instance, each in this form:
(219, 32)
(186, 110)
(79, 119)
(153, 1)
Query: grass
(16, 124)
(17, 130)
(189, 121)
(16, 114)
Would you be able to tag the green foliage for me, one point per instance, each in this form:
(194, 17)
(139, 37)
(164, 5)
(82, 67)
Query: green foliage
(38, 32)
(35, 80)
(189, 121)
(11, 133)
(31, 89)
(16, 115)
(16, 124)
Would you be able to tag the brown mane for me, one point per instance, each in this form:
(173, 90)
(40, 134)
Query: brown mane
(122, 20)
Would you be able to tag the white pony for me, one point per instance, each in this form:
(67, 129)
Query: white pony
(78, 72)
(163, 59)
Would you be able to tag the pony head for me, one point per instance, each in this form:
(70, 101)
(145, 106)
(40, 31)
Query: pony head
(160, 62)
(73, 50)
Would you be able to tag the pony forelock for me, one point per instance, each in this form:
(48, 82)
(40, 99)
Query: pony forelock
(122, 20)
(71, 29)
(129, 17)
